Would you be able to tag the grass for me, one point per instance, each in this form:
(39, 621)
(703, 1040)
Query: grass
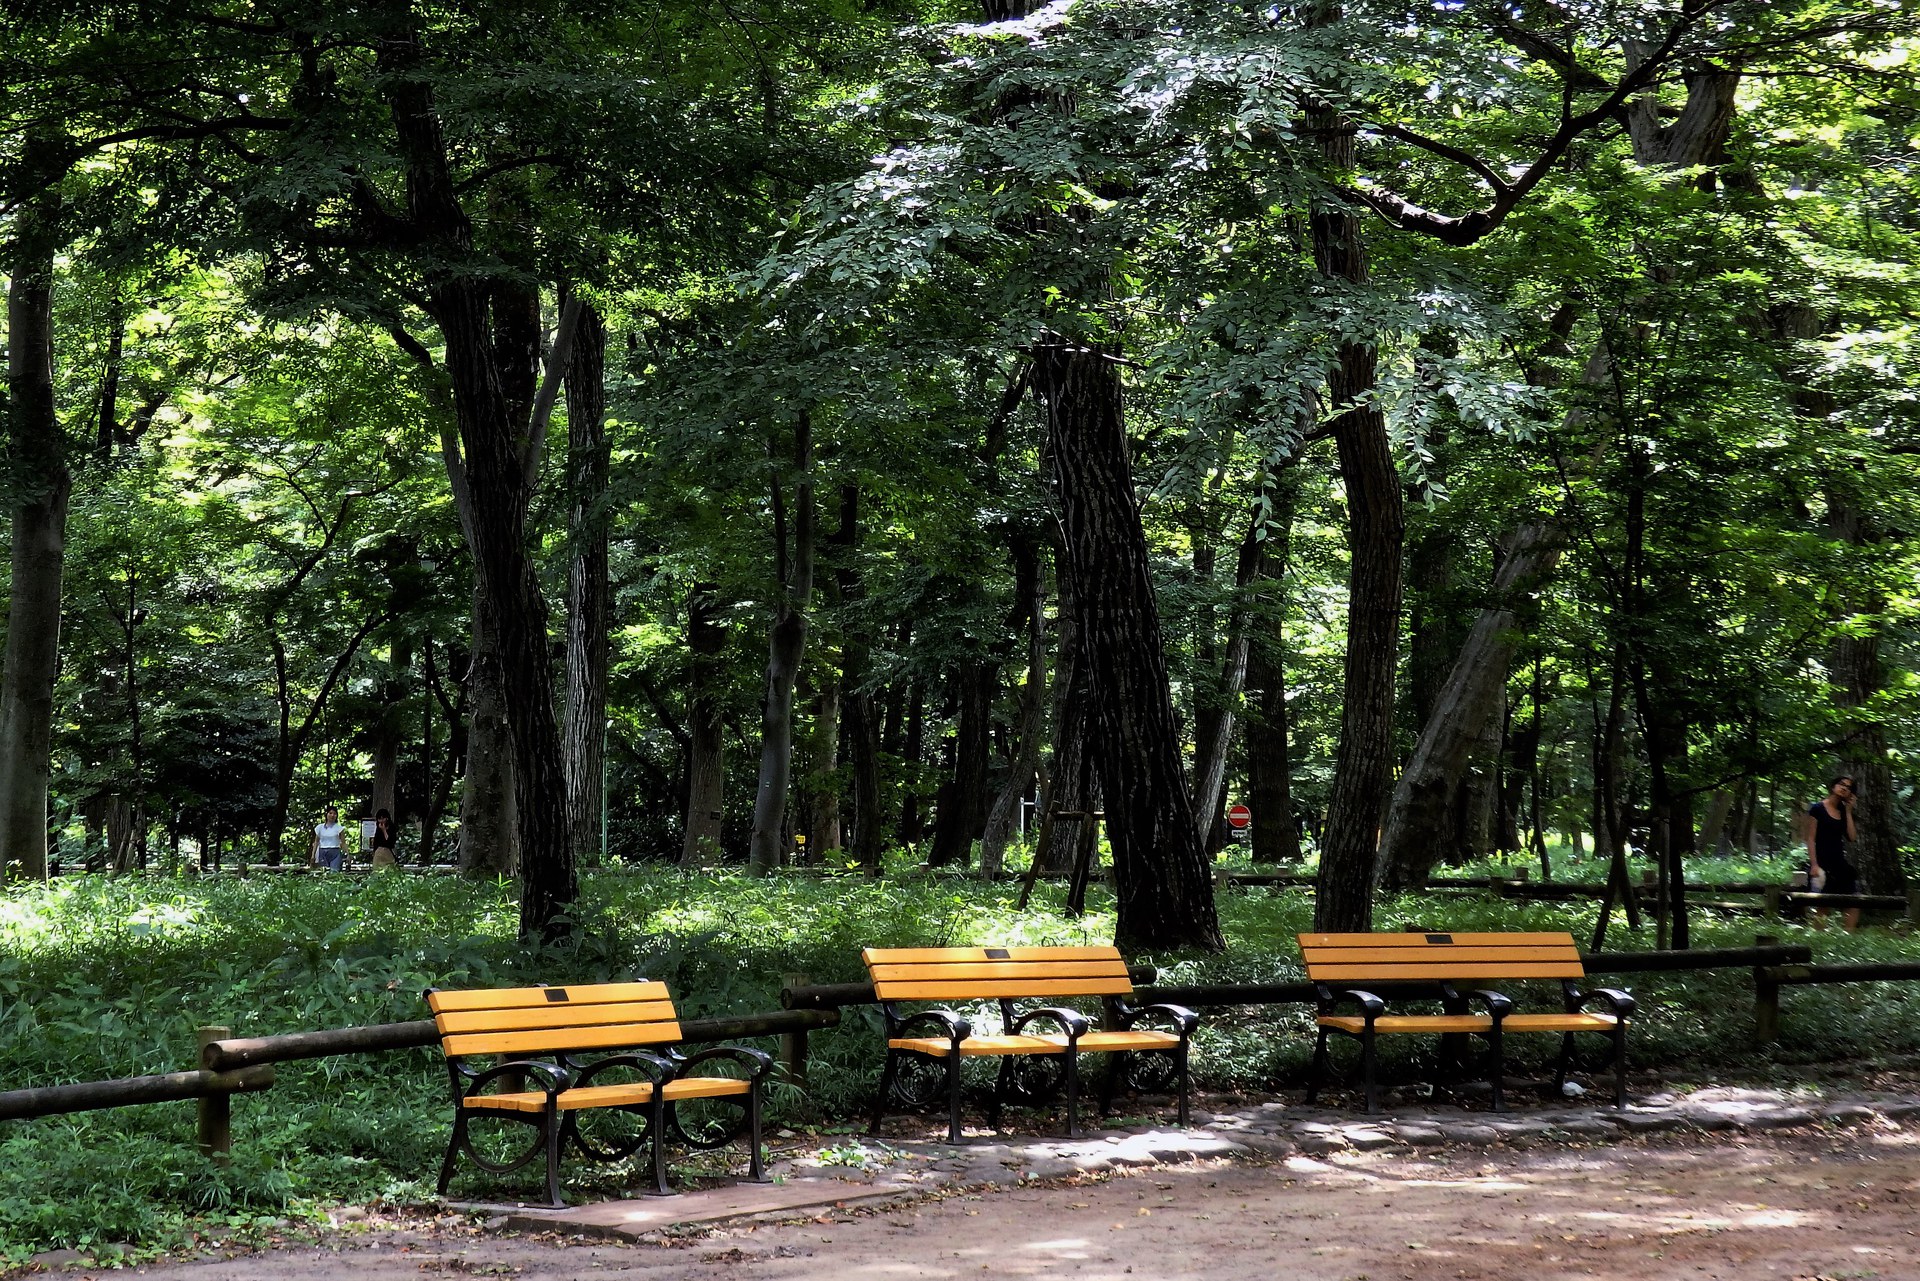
(102, 978)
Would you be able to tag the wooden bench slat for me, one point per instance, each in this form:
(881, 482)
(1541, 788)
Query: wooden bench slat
(530, 1018)
(1000, 970)
(1432, 971)
(926, 955)
(1354, 1024)
(983, 989)
(558, 1040)
(1452, 955)
(1411, 939)
(507, 998)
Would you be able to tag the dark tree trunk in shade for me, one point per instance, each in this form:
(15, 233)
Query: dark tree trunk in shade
(491, 334)
(1025, 756)
(912, 753)
(489, 830)
(706, 764)
(1214, 727)
(787, 642)
(960, 811)
(1071, 785)
(820, 787)
(587, 589)
(1275, 836)
(441, 791)
(1162, 883)
(1363, 762)
(39, 491)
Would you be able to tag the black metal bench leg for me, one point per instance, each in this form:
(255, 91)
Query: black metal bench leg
(887, 1074)
(453, 1147)
(1370, 1064)
(550, 1131)
(953, 1098)
(1562, 1064)
(996, 1100)
(659, 1153)
(1498, 1071)
(756, 1160)
(1180, 1057)
(1620, 1066)
(1110, 1081)
(1317, 1074)
(1073, 1094)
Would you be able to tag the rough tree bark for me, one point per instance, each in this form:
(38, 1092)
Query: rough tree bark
(1071, 783)
(1031, 730)
(489, 819)
(1215, 733)
(1161, 878)
(786, 643)
(1363, 762)
(587, 590)
(40, 487)
(862, 728)
(960, 808)
(483, 325)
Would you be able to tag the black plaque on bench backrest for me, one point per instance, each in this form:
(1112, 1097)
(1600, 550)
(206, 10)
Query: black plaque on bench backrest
(557, 994)
(998, 954)
(1439, 938)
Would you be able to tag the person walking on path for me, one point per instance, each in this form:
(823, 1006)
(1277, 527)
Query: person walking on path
(329, 843)
(1829, 829)
(383, 849)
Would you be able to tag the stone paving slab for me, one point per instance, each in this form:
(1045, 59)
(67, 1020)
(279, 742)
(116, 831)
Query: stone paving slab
(904, 1169)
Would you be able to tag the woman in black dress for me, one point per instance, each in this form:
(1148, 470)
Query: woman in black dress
(1829, 829)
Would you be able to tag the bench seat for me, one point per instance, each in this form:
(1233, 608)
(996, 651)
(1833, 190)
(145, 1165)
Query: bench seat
(919, 975)
(608, 1096)
(1351, 971)
(566, 1041)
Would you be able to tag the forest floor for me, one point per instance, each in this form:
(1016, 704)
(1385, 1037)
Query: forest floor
(1800, 1206)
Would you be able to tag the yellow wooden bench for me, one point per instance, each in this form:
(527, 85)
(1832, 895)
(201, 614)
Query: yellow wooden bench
(496, 1040)
(1352, 969)
(939, 1038)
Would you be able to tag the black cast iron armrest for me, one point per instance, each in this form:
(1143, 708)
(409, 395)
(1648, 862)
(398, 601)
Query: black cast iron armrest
(760, 1061)
(1183, 1019)
(657, 1069)
(556, 1078)
(1074, 1022)
(1619, 1004)
(1371, 1006)
(1498, 1004)
(950, 1025)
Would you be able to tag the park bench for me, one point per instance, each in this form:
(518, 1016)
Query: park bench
(499, 1040)
(927, 1046)
(1352, 969)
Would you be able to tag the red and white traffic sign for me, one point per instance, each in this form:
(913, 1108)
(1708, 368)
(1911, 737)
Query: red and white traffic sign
(1239, 817)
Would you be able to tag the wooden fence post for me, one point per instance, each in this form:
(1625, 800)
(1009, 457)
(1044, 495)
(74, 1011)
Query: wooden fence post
(793, 1045)
(1913, 907)
(1773, 903)
(216, 1110)
(1766, 995)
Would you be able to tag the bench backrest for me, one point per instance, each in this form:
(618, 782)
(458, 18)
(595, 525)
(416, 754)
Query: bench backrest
(1357, 960)
(1001, 973)
(552, 1020)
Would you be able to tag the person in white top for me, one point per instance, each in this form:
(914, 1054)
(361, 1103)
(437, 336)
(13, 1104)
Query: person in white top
(329, 843)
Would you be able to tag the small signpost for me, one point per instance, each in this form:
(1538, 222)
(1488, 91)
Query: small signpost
(1239, 818)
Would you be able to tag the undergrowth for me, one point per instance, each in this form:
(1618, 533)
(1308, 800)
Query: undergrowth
(103, 978)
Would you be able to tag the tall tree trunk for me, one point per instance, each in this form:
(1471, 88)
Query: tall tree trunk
(1363, 762)
(489, 817)
(1275, 836)
(491, 333)
(1161, 878)
(821, 786)
(40, 488)
(862, 729)
(1025, 757)
(787, 642)
(960, 810)
(389, 733)
(1468, 699)
(587, 589)
(706, 750)
(1216, 727)
(1071, 784)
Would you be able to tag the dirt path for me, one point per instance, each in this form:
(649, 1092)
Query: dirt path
(1800, 1208)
